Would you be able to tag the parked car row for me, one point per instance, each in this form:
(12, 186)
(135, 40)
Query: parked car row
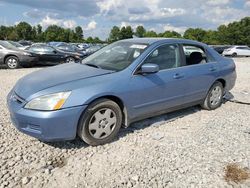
(233, 51)
(15, 55)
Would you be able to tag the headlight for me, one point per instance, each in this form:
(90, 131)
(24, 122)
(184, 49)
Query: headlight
(50, 102)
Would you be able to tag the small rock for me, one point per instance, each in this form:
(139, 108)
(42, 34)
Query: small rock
(25, 180)
(47, 171)
(135, 178)
(157, 136)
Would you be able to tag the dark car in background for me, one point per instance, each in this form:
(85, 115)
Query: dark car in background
(70, 48)
(14, 57)
(92, 49)
(51, 55)
(220, 48)
(25, 43)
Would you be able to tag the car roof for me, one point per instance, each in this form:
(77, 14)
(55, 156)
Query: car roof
(154, 40)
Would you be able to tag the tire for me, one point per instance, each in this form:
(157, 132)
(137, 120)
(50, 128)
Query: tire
(234, 54)
(70, 60)
(100, 123)
(214, 97)
(12, 62)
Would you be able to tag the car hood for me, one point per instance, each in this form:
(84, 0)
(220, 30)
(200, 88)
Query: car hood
(54, 76)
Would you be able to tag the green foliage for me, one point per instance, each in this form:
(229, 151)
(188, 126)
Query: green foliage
(114, 34)
(126, 32)
(24, 31)
(140, 31)
(170, 34)
(233, 33)
(151, 34)
(195, 34)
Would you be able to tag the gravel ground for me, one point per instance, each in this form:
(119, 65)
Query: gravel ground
(187, 148)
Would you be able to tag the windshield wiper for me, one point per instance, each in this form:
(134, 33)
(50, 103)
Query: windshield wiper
(92, 65)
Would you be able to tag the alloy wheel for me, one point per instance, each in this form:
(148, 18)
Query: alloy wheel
(12, 63)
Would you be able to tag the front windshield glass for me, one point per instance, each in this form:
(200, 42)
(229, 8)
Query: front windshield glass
(7, 45)
(16, 44)
(116, 56)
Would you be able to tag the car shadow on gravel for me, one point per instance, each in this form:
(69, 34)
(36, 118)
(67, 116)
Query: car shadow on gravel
(158, 120)
(73, 144)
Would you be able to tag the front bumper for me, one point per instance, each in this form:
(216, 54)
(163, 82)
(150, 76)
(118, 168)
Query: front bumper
(45, 125)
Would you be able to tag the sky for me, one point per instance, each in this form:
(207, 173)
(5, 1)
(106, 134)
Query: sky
(97, 17)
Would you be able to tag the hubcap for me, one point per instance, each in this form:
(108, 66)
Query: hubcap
(70, 60)
(216, 95)
(102, 123)
(12, 63)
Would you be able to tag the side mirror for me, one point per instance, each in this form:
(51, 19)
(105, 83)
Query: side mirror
(149, 68)
(54, 51)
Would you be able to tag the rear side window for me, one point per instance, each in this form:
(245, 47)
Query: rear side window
(166, 56)
(195, 55)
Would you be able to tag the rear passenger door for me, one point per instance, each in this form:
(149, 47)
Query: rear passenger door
(201, 70)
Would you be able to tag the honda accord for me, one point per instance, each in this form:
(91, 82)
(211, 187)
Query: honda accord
(123, 82)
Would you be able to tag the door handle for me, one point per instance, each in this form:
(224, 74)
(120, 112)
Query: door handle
(212, 69)
(178, 76)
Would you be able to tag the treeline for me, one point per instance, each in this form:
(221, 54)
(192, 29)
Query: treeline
(234, 33)
(24, 31)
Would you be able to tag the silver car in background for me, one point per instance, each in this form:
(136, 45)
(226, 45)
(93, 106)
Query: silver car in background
(14, 58)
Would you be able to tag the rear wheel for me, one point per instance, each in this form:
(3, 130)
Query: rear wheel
(70, 60)
(100, 123)
(234, 54)
(214, 97)
(12, 62)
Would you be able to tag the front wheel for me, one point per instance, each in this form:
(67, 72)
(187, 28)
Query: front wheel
(214, 97)
(12, 62)
(100, 123)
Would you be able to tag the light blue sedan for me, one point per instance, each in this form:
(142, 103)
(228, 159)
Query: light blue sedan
(124, 82)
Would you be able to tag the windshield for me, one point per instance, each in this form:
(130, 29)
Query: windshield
(16, 44)
(7, 45)
(116, 56)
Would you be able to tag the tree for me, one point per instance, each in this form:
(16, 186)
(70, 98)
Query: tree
(39, 35)
(114, 34)
(79, 33)
(3, 32)
(195, 34)
(170, 34)
(90, 40)
(140, 31)
(151, 34)
(33, 33)
(54, 33)
(126, 32)
(24, 31)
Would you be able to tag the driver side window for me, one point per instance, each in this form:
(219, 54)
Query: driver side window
(166, 57)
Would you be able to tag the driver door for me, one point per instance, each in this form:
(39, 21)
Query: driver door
(156, 92)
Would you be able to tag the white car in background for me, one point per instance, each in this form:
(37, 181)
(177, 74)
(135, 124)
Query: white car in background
(237, 51)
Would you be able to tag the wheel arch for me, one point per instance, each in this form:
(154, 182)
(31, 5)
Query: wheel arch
(117, 100)
(221, 80)
(9, 55)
